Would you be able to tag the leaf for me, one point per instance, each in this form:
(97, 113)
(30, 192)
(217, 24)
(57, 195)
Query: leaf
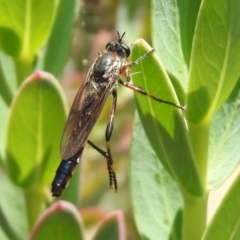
(25, 25)
(13, 217)
(156, 198)
(164, 125)
(188, 11)
(36, 120)
(58, 45)
(8, 87)
(60, 221)
(215, 65)
(112, 227)
(7, 78)
(224, 151)
(3, 123)
(167, 41)
(225, 223)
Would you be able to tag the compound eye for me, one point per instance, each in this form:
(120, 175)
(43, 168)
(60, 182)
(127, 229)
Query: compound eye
(110, 46)
(126, 49)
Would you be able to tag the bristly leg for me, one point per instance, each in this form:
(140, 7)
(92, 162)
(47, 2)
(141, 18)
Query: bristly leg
(112, 178)
(131, 64)
(124, 70)
(111, 172)
(143, 92)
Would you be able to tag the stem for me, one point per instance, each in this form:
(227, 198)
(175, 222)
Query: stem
(194, 218)
(24, 66)
(34, 198)
(199, 135)
(195, 209)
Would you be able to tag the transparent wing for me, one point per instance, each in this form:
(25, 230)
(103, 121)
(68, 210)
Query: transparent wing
(83, 115)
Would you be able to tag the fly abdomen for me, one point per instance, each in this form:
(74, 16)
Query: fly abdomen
(63, 174)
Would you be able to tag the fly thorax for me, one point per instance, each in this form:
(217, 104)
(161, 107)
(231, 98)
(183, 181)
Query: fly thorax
(106, 67)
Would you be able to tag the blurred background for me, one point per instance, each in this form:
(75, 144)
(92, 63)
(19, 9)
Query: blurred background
(63, 38)
(97, 25)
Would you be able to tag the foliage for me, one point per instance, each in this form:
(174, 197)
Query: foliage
(197, 149)
(35, 41)
(177, 158)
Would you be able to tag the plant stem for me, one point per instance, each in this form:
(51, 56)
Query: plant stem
(24, 66)
(194, 218)
(199, 135)
(195, 209)
(34, 198)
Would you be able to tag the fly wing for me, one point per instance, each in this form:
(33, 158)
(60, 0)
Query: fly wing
(83, 115)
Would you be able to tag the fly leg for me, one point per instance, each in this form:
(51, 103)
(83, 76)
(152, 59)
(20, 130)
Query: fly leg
(108, 134)
(125, 69)
(125, 72)
(107, 154)
(97, 148)
(111, 172)
(143, 92)
(129, 65)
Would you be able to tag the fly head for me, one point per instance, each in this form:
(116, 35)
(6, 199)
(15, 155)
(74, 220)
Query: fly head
(118, 47)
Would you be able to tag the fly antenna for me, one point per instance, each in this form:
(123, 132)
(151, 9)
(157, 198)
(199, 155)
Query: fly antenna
(120, 38)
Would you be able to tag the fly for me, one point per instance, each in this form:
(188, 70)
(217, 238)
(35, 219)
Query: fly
(109, 69)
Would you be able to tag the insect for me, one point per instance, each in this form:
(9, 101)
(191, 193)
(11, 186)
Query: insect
(109, 69)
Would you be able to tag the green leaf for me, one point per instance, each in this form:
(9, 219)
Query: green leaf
(164, 124)
(25, 25)
(8, 81)
(3, 236)
(215, 65)
(112, 227)
(60, 221)
(58, 45)
(13, 217)
(167, 41)
(188, 11)
(224, 151)
(156, 198)
(36, 120)
(3, 123)
(225, 223)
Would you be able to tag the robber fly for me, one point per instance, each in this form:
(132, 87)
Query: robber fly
(109, 69)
